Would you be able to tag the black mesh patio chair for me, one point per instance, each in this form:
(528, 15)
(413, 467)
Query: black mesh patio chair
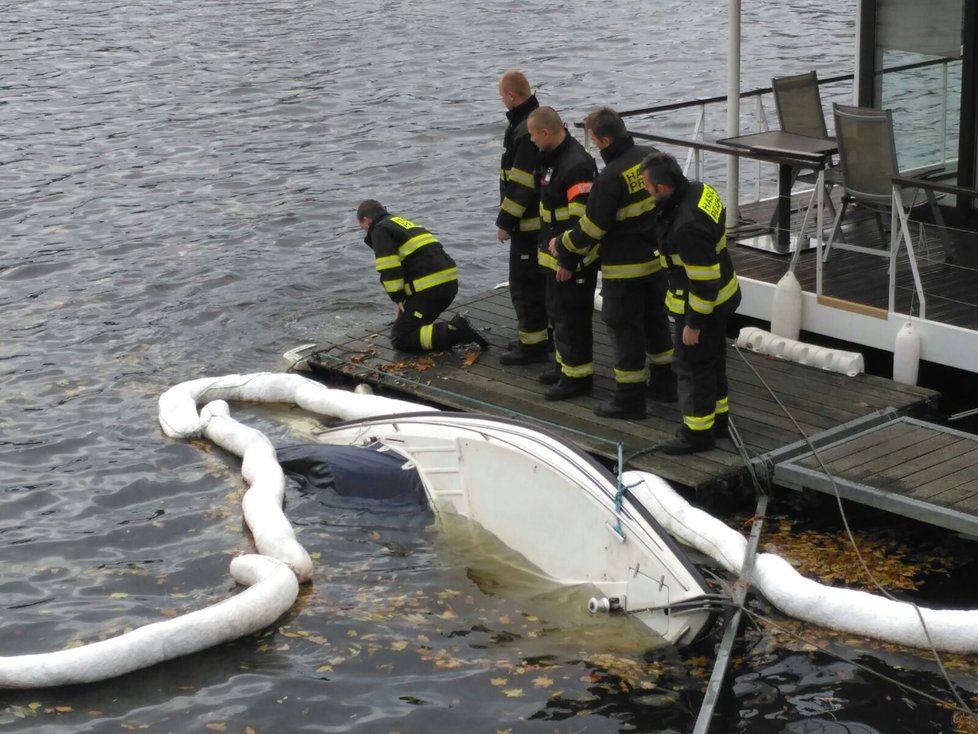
(868, 160)
(799, 107)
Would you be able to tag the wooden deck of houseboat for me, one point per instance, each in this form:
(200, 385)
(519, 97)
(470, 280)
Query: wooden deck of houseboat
(951, 289)
(817, 400)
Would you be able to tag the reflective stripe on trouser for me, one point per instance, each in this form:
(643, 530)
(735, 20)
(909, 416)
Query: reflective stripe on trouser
(415, 329)
(634, 310)
(571, 308)
(701, 370)
(527, 288)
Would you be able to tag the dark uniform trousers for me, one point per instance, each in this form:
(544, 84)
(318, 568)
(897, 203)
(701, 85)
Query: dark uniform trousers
(414, 329)
(701, 370)
(635, 312)
(527, 288)
(571, 307)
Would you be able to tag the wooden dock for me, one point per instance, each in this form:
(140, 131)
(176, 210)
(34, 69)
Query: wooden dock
(470, 381)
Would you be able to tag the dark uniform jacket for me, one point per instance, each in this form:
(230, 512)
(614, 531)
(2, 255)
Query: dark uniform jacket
(564, 178)
(691, 228)
(618, 217)
(408, 257)
(517, 188)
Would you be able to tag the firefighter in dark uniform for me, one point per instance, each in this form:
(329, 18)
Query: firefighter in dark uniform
(564, 179)
(619, 218)
(420, 277)
(703, 295)
(518, 222)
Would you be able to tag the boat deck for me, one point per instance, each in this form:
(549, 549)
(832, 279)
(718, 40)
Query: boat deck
(951, 289)
(470, 381)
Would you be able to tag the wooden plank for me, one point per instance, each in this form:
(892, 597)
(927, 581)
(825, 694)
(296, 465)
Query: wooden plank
(815, 399)
(915, 458)
(886, 457)
(852, 306)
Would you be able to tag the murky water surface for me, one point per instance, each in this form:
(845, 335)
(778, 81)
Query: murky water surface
(178, 185)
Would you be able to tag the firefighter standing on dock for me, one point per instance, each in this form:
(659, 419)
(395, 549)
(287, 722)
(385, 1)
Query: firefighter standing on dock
(619, 219)
(564, 179)
(703, 294)
(518, 222)
(420, 277)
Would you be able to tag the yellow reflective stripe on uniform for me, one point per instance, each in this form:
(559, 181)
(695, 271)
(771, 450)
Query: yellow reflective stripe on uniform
(511, 207)
(699, 422)
(426, 333)
(635, 210)
(631, 270)
(387, 262)
(589, 228)
(393, 286)
(659, 359)
(546, 215)
(530, 225)
(580, 370)
(413, 244)
(430, 281)
(703, 272)
(546, 260)
(675, 304)
(576, 209)
(677, 260)
(723, 406)
(631, 377)
(521, 177)
(533, 337)
(568, 243)
(699, 305)
(561, 214)
(592, 255)
(726, 293)
(722, 244)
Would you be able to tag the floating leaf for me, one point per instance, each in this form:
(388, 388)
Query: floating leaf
(513, 692)
(542, 681)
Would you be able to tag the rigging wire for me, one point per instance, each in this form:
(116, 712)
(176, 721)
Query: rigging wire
(845, 522)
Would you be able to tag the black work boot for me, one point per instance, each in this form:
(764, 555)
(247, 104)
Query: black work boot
(527, 354)
(662, 384)
(689, 442)
(465, 333)
(549, 378)
(628, 402)
(569, 387)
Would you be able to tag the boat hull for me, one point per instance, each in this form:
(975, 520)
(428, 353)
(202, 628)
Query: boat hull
(554, 505)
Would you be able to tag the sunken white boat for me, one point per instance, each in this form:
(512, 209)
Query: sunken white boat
(547, 500)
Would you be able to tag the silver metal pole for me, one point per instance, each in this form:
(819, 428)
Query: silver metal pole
(715, 686)
(733, 110)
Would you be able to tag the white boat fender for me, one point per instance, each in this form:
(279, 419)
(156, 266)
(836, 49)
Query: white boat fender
(906, 355)
(786, 307)
(832, 360)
